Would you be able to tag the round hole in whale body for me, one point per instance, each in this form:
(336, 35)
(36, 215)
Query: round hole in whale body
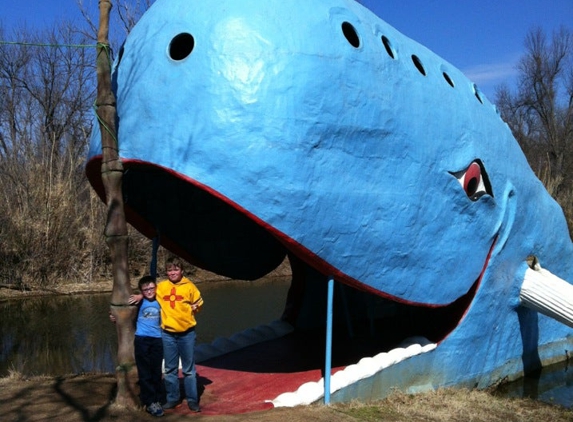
(448, 79)
(418, 64)
(350, 34)
(181, 46)
(388, 47)
(477, 93)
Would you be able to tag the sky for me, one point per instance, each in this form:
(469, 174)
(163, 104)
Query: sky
(482, 38)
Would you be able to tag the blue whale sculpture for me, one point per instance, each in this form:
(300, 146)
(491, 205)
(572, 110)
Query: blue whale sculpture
(255, 130)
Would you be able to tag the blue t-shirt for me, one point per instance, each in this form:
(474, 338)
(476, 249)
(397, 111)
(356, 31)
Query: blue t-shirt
(148, 319)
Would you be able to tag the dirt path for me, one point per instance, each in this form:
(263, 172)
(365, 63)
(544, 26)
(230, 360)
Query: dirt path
(88, 398)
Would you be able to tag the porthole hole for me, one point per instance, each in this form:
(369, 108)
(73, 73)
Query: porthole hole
(477, 94)
(350, 34)
(418, 64)
(181, 46)
(448, 79)
(388, 46)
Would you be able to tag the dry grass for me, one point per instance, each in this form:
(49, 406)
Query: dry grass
(456, 405)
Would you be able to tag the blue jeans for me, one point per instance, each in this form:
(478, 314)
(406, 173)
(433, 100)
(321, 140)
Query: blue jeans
(175, 346)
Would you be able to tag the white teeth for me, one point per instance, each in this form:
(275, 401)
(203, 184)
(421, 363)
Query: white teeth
(312, 391)
(541, 291)
(287, 400)
(368, 367)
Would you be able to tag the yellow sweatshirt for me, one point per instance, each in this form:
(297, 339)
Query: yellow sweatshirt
(176, 300)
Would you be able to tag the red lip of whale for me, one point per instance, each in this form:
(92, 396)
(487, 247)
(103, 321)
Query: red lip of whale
(227, 254)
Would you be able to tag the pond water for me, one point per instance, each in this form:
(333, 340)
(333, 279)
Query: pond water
(553, 384)
(73, 335)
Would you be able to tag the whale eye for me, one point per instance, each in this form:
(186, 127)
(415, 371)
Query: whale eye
(181, 46)
(474, 180)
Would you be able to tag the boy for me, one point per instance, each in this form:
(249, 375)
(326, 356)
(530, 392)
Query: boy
(179, 299)
(148, 348)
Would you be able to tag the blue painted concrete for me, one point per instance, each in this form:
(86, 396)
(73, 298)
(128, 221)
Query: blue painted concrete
(314, 127)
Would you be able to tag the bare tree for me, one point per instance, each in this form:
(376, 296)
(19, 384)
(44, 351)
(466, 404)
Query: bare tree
(47, 89)
(127, 13)
(116, 232)
(47, 86)
(540, 113)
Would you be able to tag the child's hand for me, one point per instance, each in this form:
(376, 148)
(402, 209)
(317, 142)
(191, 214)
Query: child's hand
(135, 299)
(112, 318)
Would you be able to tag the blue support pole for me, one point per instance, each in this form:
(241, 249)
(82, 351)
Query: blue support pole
(328, 359)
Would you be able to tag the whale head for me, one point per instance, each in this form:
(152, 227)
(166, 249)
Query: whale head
(251, 131)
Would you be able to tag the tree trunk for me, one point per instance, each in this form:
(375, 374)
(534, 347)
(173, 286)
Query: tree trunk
(116, 227)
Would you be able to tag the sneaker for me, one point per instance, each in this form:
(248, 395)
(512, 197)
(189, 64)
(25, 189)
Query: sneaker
(170, 405)
(193, 407)
(155, 409)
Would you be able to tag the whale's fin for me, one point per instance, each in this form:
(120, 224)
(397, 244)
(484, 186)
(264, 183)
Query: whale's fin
(547, 294)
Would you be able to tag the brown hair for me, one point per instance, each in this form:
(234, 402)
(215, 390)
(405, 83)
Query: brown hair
(145, 280)
(174, 261)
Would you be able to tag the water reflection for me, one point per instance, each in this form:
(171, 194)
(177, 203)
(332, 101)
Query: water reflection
(62, 335)
(552, 384)
(46, 335)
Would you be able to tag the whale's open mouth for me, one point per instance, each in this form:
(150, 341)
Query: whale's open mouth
(204, 228)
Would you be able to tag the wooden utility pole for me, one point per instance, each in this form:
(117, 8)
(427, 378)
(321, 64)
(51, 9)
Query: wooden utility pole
(116, 235)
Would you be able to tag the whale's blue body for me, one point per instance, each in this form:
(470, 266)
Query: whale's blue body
(255, 129)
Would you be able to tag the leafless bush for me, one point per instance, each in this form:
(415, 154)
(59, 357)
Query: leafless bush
(540, 112)
(51, 221)
(48, 212)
